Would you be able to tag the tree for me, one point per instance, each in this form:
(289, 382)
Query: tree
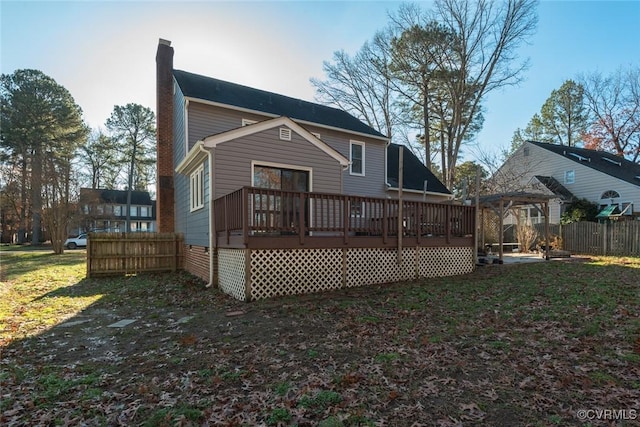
(41, 123)
(361, 84)
(614, 102)
(487, 37)
(133, 127)
(465, 183)
(564, 114)
(533, 132)
(98, 158)
(416, 63)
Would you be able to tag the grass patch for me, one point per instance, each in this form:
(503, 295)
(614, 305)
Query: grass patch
(480, 348)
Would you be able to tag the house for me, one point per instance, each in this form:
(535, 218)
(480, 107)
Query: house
(106, 210)
(567, 174)
(276, 195)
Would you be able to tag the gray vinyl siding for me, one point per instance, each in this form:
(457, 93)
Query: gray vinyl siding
(178, 125)
(372, 184)
(206, 120)
(233, 161)
(193, 225)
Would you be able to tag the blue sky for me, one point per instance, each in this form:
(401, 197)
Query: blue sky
(104, 52)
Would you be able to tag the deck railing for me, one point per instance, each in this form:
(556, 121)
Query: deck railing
(257, 212)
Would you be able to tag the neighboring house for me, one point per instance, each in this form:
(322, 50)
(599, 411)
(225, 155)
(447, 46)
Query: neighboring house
(571, 173)
(106, 210)
(276, 195)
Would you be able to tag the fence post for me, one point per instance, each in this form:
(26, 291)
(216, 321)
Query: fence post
(605, 237)
(88, 257)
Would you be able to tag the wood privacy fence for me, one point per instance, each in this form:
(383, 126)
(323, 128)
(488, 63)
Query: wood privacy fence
(620, 238)
(132, 253)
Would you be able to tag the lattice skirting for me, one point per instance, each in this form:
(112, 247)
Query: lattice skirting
(274, 272)
(231, 272)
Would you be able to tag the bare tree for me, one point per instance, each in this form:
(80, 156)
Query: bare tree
(488, 36)
(614, 102)
(361, 84)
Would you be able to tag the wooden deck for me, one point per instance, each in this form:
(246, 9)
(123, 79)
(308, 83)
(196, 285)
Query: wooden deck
(257, 218)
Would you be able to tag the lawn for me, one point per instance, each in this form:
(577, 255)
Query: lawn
(530, 344)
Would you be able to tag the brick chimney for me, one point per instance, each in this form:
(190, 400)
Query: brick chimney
(164, 137)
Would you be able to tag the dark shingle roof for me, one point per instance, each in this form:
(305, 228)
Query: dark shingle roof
(415, 173)
(555, 187)
(601, 161)
(116, 196)
(220, 91)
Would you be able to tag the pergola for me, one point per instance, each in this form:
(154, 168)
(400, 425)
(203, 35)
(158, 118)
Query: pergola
(501, 203)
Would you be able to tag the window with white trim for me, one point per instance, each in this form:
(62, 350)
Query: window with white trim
(356, 156)
(570, 177)
(196, 189)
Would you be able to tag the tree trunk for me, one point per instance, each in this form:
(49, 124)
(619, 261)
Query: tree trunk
(22, 227)
(427, 139)
(36, 194)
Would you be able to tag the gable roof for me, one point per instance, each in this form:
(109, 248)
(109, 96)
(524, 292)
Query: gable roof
(197, 153)
(415, 173)
(610, 164)
(555, 187)
(247, 98)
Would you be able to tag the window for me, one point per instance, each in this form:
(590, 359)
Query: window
(357, 158)
(247, 122)
(610, 194)
(134, 211)
(196, 189)
(526, 151)
(117, 210)
(144, 211)
(570, 177)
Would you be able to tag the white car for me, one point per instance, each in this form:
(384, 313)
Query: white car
(76, 242)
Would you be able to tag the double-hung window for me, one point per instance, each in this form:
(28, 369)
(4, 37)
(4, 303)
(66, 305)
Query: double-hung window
(196, 189)
(356, 154)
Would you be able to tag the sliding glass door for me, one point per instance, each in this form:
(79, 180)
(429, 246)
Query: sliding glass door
(279, 211)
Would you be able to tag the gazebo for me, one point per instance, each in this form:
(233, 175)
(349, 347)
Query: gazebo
(501, 203)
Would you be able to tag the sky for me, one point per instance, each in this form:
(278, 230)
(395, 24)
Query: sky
(103, 52)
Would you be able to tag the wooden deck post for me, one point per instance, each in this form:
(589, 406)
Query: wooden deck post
(244, 206)
(301, 217)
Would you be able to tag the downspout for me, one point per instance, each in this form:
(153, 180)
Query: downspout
(212, 241)
(212, 222)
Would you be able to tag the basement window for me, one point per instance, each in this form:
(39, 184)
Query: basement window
(196, 187)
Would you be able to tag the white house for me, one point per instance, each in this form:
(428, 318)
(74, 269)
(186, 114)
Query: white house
(571, 173)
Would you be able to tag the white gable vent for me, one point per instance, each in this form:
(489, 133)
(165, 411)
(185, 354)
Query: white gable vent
(285, 134)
